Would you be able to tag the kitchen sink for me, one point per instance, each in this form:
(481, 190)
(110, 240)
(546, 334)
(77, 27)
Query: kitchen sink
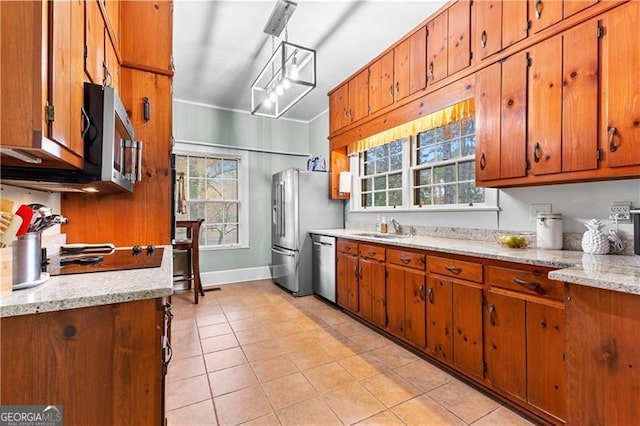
(381, 236)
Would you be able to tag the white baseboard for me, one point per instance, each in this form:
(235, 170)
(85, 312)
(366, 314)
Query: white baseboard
(218, 278)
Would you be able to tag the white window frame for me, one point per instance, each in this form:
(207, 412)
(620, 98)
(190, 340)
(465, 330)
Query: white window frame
(242, 156)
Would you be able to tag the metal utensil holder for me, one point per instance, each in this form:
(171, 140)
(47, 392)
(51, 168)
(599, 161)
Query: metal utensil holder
(27, 258)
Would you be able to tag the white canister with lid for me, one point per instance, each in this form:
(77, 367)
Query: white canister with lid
(549, 231)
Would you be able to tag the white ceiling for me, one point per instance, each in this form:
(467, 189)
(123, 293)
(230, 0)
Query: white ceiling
(219, 47)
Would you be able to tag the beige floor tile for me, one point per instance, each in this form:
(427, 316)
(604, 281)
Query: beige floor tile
(253, 335)
(295, 342)
(288, 390)
(244, 324)
(310, 357)
(186, 392)
(199, 414)
(273, 368)
(390, 388)
(423, 410)
(464, 401)
(394, 356)
(370, 340)
(353, 403)
(386, 418)
(184, 368)
(311, 323)
(241, 406)
(502, 417)
(269, 420)
(423, 375)
(281, 328)
(218, 343)
(238, 314)
(187, 349)
(232, 379)
(214, 330)
(339, 349)
(183, 326)
(363, 365)
(324, 335)
(263, 350)
(348, 329)
(224, 359)
(313, 412)
(328, 376)
(210, 319)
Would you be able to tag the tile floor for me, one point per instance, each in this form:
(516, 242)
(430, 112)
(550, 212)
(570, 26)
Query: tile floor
(253, 354)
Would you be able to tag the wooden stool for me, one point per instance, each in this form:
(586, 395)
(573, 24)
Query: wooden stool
(191, 245)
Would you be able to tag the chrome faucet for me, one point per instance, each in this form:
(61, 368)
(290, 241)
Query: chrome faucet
(396, 226)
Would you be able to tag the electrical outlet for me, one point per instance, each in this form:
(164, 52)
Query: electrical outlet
(534, 208)
(620, 210)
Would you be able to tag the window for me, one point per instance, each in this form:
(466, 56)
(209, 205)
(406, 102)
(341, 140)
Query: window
(212, 182)
(443, 168)
(382, 175)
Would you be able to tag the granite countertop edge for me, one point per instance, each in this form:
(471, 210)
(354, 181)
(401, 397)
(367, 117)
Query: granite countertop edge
(64, 292)
(609, 272)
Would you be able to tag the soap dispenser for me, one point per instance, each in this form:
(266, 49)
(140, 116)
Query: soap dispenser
(378, 225)
(383, 226)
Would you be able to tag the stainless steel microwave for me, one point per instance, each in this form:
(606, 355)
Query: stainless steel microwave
(112, 155)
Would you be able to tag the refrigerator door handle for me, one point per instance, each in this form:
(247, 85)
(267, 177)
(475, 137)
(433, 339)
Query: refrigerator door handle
(282, 252)
(282, 215)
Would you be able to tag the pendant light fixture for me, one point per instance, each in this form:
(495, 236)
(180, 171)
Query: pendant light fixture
(290, 72)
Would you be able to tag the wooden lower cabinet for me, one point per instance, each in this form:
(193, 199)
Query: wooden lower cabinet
(102, 364)
(440, 319)
(395, 301)
(406, 305)
(347, 281)
(467, 328)
(372, 291)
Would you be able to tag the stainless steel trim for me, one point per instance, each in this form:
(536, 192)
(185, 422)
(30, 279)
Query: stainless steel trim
(283, 252)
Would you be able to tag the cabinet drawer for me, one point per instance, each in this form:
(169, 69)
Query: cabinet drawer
(346, 246)
(372, 252)
(406, 258)
(455, 268)
(527, 282)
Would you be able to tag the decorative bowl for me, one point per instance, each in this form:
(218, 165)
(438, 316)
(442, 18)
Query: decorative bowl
(516, 240)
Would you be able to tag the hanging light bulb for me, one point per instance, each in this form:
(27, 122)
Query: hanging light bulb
(294, 73)
(286, 83)
(279, 89)
(272, 97)
(267, 103)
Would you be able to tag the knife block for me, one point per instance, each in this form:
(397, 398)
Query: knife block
(6, 271)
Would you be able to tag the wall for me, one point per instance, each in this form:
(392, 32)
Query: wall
(203, 123)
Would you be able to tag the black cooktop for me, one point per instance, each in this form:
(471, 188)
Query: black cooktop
(116, 260)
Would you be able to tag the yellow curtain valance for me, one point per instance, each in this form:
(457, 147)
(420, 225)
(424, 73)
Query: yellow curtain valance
(436, 119)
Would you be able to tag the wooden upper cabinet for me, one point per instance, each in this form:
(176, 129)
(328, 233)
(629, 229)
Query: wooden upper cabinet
(339, 108)
(545, 107)
(459, 51)
(381, 83)
(579, 92)
(417, 60)
(513, 117)
(487, 104)
(402, 69)
(39, 107)
(515, 26)
(486, 28)
(138, 19)
(437, 47)
(94, 61)
(112, 8)
(574, 6)
(359, 96)
(544, 13)
(620, 132)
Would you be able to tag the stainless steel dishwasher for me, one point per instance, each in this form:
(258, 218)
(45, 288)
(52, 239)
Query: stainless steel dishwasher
(324, 266)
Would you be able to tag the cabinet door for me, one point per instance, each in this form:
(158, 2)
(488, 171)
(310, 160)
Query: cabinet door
(359, 96)
(415, 292)
(76, 142)
(544, 13)
(112, 66)
(459, 50)
(347, 268)
(364, 288)
(378, 296)
(60, 72)
(545, 106)
(513, 117)
(621, 108)
(504, 333)
(371, 290)
(402, 69)
(338, 108)
(546, 367)
(418, 60)
(381, 83)
(147, 34)
(574, 6)
(94, 42)
(467, 328)
(487, 33)
(515, 24)
(439, 319)
(579, 90)
(488, 123)
(395, 301)
(437, 59)
(112, 8)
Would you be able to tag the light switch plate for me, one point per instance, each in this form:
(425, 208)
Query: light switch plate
(535, 208)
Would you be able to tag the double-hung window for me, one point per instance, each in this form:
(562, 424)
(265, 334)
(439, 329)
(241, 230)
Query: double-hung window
(382, 175)
(211, 183)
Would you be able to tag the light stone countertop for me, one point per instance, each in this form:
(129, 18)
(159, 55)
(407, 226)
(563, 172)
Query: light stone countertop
(63, 292)
(611, 272)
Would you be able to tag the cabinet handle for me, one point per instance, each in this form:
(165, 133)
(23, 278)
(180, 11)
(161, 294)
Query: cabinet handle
(391, 91)
(146, 109)
(612, 143)
(483, 162)
(453, 269)
(371, 253)
(483, 39)
(355, 272)
(405, 260)
(422, 292)
(431, 295)
(531, 285)
(537, 152)
(492, 315)
(431, 71)
(346, 114)
(86, 122)
(397, 87)
(107, 80)
(539, 8)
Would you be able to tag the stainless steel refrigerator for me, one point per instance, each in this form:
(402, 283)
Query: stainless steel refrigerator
(300, 203)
